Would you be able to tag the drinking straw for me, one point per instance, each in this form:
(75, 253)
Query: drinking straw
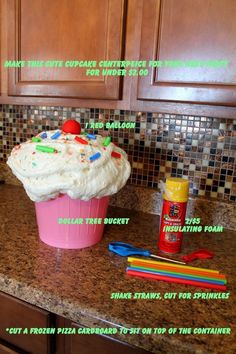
(91, 136)
(107, 141)
(210, 276)
(176, 270)
(95, 156)
(56, 135)
(116, 155)
(188, 269)
(176, 280)
(181, 276)
(45, 148)
(80, 140)
(43, 135)
(36, 140)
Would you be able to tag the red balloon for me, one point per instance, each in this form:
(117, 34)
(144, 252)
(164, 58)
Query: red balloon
(71, 126)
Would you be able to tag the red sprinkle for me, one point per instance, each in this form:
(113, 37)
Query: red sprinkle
(81, 141)
(116, 155)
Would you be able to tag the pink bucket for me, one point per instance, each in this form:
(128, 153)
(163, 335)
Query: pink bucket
(53, 226)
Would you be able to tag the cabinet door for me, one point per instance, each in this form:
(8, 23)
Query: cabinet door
(75, 30)
(18, 314)
(92, 343)
(185, 31)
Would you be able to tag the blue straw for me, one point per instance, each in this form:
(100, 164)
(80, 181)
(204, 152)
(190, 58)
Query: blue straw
(43, 135)
(56, 135)
(95, 156)
(91, 136)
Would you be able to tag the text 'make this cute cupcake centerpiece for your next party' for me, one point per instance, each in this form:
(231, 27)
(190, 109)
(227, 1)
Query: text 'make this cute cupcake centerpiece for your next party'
(69, 175)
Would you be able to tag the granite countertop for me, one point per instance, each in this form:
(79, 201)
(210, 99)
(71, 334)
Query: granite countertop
(77, 284)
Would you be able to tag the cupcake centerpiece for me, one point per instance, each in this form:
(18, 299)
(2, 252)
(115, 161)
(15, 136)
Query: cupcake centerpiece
(69, 175)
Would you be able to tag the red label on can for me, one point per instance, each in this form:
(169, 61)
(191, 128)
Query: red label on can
(173, 214)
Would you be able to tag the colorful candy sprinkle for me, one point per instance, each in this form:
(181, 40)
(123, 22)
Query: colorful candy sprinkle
(36, 140)
(45, 148)
(84, 133)
(91, 136)
(116, 155)
(56, 135)
(80, 140)
(95, 156)
(107, 141)
(43, 135)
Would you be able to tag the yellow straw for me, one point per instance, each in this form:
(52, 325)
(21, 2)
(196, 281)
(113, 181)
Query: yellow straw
(133, 259)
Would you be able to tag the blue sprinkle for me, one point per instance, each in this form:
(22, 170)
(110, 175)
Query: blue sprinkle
(43, 135)
(91, 136)
(95, 156)
(56, 135)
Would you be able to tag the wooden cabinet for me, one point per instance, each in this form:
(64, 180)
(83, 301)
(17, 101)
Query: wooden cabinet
(164, 31)
(188, 31)
(90, 344)
(68, 31)
(18, 314)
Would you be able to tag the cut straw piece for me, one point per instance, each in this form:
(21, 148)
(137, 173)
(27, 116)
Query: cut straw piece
(134, 260)
(179, 272)
(180, 276)
(176, 280)
(45, 148)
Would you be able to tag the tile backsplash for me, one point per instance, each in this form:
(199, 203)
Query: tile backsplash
(202, 149)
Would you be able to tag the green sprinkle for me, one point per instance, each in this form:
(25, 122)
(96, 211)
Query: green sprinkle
(36, 140)
(107, 141)
(84, 133)
(45, 148)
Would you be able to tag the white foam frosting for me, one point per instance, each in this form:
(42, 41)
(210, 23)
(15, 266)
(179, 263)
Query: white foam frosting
(69, 169)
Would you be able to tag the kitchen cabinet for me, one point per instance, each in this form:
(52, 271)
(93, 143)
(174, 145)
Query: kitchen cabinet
(188, 31)
(163, 31)
(90, 344)
(98, 344)
(68, 31)
(20, 315)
